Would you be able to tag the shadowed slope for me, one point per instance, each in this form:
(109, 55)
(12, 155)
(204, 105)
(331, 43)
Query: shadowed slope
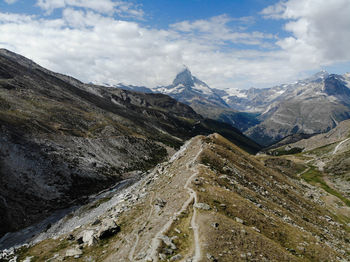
(61, 139)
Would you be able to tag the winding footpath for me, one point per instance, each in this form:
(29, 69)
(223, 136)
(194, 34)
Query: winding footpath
(339, 145)
(156, 241)
(303, 172)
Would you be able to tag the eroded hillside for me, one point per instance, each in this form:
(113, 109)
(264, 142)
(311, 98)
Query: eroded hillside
(210, 202)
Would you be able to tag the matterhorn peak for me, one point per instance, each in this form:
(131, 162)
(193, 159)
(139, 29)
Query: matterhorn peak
(184, 77)
(322, 74)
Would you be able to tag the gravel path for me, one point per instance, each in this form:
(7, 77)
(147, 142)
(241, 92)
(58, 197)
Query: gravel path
(156, 241)
(339, 145)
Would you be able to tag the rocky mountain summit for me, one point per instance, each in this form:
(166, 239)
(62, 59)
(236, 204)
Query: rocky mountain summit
(309, 107)
(206, 101)
(189, 89)
(210, 202)
(267, 115)
(62, 140)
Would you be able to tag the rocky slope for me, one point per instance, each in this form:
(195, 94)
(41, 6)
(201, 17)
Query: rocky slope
(61, 140)
(327, 156)
(210, 202)
(310, 106)
(336, 135)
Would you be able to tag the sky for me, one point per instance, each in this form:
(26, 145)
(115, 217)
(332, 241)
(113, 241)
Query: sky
(226, 43)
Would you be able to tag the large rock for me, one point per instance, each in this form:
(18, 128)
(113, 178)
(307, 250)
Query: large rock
(89, 238)
(108, 229)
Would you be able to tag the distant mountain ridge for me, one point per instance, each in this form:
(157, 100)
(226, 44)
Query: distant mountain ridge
(310, 106)
(313, 105)
(189, 89)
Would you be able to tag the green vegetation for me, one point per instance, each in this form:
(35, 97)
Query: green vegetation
(190, 121)
(314, 177)
(282, 151)
(181, 228)
(320, 151)
(44, 250)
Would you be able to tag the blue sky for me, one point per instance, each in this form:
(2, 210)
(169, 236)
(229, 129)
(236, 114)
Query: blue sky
(161, 13)
(227, 43)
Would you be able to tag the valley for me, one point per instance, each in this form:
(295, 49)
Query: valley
(99, 173)
(174, 131)
(326, 155)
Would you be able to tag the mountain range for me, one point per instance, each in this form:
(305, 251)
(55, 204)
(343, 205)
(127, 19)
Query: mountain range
(267, 115)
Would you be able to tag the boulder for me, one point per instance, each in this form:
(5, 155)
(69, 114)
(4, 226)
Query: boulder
(215, 225)
(238, 220)
(89, 238)
(108, 229)
(162, 256)
(28, 259)
(160, 204)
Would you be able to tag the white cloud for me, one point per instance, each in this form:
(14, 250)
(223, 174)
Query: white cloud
(50, 5)
(217, 30)
(122, 8)
(93, 46)
(319, 28)
(98, 48)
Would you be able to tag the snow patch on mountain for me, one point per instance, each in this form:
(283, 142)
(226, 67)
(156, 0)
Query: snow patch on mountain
(202, 88)
(235, 92)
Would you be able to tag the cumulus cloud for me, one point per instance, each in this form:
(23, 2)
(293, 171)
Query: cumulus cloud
(319, 29)
(94, 46)
(217, 30)
(98, 48)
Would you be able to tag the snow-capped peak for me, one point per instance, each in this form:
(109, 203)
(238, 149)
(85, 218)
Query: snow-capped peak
(184, 77)
(322, 74)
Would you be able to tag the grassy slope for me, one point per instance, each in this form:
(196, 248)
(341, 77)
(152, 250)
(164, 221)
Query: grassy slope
(256, 213)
